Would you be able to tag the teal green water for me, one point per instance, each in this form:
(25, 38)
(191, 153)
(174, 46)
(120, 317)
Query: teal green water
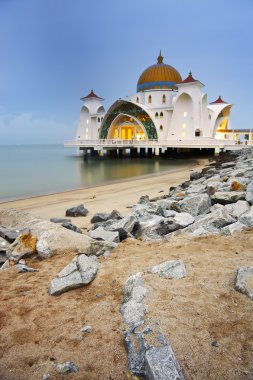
(28, 170)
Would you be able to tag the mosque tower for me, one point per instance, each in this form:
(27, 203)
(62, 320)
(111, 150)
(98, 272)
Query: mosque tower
(91, 117)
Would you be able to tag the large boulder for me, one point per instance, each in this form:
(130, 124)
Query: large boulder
(80, 272)
(226, 197)
(79, 210)
(196, 205)
(101, 234)
(247, 218)
(59, 239)
(212, 222)
(170, 269)
(237, 209)
(244, 281)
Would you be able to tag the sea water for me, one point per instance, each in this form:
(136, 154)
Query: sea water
(29, 170)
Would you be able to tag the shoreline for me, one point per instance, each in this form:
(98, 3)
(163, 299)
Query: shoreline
(107, 196)
(194, 161)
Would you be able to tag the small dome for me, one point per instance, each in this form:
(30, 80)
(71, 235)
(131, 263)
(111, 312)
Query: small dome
(159, 76)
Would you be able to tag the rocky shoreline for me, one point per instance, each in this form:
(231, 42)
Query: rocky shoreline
(217, 201)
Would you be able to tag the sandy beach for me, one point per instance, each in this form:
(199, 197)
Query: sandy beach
(38, 330)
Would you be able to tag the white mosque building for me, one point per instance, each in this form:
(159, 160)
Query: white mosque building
(166, 111)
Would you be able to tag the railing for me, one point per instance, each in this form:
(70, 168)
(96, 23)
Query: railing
(200, 142)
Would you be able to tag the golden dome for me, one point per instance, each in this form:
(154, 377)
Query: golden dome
(158, 76)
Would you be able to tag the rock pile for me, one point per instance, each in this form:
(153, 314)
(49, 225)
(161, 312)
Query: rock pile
(149, 353)
(216, 201)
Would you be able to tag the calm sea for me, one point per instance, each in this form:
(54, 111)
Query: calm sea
(27, 170)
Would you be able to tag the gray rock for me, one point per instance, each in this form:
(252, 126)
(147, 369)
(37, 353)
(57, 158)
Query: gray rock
(5, 265)
(233, 228)
(3, 257)
(247, 218)
(101, 234)
(134, 292)
(212, 222)
(237, 209)
(46, 376)
(249, 193)
(161, 364)
(43, 249)
(100, 217)
(244, 281)
(144, 199)
(72, 227)
(99, 248)
(81, 271)
(60, 220)
(21, 268)
(230, 164)
(183, 219)
(195, 175)
(170, 269)
(12, 234)
(133, 312)
(226, 197)
(196, 189)
(116, 215)
(196, 205)
(127, 224)
(67, 367)
(79, 210)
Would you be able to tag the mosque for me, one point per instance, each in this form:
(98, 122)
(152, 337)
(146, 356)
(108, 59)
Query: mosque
(165, 112)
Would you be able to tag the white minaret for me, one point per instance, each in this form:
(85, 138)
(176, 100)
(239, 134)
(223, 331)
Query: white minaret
(91, 116)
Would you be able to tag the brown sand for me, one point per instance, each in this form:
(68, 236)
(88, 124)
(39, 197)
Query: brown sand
(38, 330)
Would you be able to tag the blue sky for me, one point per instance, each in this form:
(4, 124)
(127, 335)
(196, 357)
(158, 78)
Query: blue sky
(54, 51)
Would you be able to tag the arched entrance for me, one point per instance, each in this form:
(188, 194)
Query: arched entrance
(127, 120)
(125, 127)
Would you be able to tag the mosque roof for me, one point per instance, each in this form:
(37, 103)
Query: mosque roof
(219, 101)
(91, 95)
(159, 76)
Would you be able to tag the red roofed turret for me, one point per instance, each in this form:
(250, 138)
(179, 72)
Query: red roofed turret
(189, 79)
(219, 101)
(91, 95)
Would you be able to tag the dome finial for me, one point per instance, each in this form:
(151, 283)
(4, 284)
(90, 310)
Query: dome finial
(160, 57)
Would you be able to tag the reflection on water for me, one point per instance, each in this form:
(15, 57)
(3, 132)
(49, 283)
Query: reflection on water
(40, 169)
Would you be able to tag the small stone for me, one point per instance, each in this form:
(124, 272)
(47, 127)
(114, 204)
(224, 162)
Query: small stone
(24, 269)
(86, 329)
(215, 343)
(67, 367)
(60, 220)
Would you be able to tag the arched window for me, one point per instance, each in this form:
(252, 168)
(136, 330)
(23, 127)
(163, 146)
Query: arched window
(99, 119)
(156, 114)
(161, 128)
(197, 133)
(161, 114)
(164, 98)
(137, 99)
(150, 99)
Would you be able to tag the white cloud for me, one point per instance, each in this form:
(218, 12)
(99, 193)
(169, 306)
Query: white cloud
(24, 128)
